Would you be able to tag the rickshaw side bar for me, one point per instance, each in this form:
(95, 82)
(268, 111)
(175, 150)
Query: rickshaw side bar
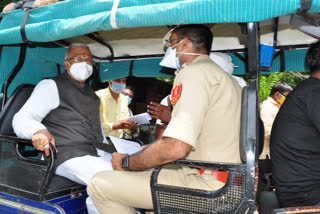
(252, 118)
(240, 57)
(253, 51)
(13, 73)
(93, 37)
(275, 31)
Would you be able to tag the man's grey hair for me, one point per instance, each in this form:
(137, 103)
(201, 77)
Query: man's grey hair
(75, 45)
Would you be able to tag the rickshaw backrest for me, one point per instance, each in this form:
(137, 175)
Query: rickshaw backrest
(249, 95)
(12, 106)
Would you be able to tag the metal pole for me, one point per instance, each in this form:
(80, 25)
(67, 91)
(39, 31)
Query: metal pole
(253, 51)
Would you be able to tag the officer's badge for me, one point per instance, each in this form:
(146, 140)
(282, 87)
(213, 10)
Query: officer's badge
(175, 94)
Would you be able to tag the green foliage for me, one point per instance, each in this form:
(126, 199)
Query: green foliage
(266, 83)
(268, 80)
(166, 79)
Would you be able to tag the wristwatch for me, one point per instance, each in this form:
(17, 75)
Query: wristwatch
(125, 163)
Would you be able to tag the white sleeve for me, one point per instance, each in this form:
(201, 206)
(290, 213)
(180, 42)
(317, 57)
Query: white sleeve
(103, 134)
(44, 98)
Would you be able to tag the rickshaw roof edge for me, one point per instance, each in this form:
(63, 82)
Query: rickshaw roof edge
(78, 17)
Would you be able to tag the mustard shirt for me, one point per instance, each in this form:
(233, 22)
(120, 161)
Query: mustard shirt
(112, 111)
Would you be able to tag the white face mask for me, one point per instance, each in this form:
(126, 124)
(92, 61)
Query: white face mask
(81, 70)
(170, 60)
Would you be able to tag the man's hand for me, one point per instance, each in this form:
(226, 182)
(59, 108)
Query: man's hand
(117, 161)
(41, 140)
(125, 124)
(158, 111)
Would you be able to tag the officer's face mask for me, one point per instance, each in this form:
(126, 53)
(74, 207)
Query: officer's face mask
(281, 99)
(171, 60)
(81, 70)
(117, 87)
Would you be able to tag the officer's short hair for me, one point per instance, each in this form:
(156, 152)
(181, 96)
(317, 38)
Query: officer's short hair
(75, 45)
(200, 35)
(280, 87)
(312, 61)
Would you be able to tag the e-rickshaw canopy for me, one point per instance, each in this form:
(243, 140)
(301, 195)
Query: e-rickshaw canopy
(134, 30)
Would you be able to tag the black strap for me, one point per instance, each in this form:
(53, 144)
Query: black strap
(59, 69)
(106, 147)
(130, 68)
(305, 6)
(22, 27)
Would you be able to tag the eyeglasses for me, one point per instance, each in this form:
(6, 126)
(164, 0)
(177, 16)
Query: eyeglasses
(167, 42)
(80, 59)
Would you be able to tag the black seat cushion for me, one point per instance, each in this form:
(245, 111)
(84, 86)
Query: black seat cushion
(12, 106)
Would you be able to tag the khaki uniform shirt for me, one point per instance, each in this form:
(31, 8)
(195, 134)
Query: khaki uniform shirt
(207, 114)
(112, 111)
(268, 112)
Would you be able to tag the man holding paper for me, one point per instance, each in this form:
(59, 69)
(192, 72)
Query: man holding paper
(205, 125)
(114, 109)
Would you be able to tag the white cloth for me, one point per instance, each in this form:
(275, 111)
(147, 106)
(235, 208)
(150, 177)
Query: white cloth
(164, 102)
(240, 80)
(45, 98)
(82, 169)
(224, 61)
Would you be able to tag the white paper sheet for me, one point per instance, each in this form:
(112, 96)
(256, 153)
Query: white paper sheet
(140, 119)
(125, 146)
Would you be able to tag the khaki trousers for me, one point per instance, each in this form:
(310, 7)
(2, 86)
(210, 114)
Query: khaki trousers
(121, 192)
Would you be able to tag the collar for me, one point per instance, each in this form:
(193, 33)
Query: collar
(200, 58)
(271, 100)
(73, 82)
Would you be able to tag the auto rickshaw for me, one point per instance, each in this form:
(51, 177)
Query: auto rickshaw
(125, 38)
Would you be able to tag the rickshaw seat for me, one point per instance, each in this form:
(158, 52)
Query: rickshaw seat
(27, 177)
(237, 196)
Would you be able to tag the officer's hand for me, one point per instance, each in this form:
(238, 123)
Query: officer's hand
(117, 161)
(125, 124)
(41, 140)
(158, 111)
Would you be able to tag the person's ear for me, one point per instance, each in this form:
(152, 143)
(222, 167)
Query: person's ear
(278, 95)
(187, 45)
(67, 65)
(110, 83)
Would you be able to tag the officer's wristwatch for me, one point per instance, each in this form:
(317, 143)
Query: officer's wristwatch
(125, 163)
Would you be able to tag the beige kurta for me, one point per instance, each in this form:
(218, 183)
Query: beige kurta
(207, 114)
(268, 112)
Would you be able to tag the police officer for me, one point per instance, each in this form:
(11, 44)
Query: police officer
(205, 126)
